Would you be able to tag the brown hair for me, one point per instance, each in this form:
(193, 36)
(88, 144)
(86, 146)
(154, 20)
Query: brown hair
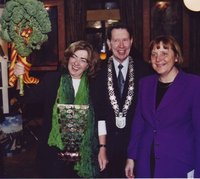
(93, 57)
(168, 41)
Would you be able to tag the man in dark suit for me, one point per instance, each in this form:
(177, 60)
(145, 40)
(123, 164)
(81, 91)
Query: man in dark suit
(114, 93)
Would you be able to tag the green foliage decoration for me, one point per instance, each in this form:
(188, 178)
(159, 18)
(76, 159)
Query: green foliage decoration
(26, 24)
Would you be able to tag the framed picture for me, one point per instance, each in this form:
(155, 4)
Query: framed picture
(48, 54)
(52, 51)
(165, 18)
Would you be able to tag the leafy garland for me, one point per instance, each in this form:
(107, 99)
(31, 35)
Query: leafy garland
(26, 24)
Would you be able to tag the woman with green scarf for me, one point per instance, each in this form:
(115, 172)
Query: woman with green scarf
(67, 145)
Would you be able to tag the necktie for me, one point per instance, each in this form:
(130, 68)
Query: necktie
(120, 80)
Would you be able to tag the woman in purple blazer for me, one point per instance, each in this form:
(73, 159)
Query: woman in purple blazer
(165, 140)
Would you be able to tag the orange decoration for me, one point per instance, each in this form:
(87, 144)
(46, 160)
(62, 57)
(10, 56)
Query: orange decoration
(103, 55)
(26, 78)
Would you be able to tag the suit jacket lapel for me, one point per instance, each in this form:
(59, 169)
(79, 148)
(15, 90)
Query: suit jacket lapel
(152, 94)
(173, 92)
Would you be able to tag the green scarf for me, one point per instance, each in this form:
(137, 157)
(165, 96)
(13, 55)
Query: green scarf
(86, 167)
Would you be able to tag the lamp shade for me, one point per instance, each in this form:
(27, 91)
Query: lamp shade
(193, 5)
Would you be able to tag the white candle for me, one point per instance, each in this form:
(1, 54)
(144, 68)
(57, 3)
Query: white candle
(4, 87)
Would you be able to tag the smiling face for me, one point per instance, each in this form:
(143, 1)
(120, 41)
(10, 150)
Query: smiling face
(120, 44)
(163, 60)
(78, 63)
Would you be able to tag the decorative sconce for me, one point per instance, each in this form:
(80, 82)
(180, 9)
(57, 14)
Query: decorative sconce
(162, 4)
(193, 5)
(103, 54)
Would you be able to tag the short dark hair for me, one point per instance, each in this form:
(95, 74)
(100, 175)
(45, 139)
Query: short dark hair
(119, 25)
(168, 41)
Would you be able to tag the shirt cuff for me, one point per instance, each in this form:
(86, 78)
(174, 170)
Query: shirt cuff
(102, 128)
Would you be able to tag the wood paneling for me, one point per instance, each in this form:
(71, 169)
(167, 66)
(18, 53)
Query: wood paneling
(103, 14)
(146, 29)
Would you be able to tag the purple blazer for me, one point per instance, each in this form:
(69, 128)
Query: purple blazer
(174, 127)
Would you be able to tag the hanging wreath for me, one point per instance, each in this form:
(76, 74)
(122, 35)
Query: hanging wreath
(24, 24)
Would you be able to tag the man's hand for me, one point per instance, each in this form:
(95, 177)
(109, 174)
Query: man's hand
(102, 158)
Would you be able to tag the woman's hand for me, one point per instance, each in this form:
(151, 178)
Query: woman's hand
(18, 72)
(18, 69)
(102, 158)
(129, 168)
